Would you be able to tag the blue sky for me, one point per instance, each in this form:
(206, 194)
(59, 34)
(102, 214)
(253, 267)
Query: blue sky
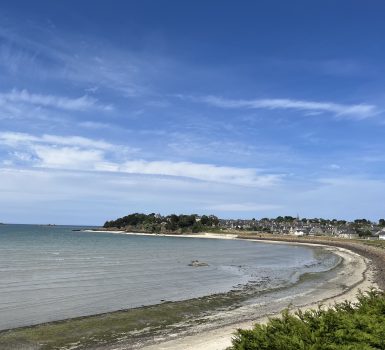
(239, 109)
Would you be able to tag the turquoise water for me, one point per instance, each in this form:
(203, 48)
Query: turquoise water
(51, 272)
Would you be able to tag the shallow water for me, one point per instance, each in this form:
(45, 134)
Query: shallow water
(51, 272)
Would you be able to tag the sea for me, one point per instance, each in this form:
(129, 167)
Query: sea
(50, 273)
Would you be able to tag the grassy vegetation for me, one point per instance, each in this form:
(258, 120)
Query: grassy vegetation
(110, 328)
(375, 243)
(359, 326)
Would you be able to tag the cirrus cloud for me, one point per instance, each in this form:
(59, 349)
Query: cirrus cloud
(10, 100)
(353, 111)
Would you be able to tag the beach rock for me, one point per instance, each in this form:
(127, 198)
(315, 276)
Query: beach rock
(197, 263)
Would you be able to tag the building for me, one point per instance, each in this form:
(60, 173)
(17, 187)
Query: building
(381, 234)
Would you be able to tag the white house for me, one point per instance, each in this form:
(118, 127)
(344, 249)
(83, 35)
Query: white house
(296, 232)
(381, 234)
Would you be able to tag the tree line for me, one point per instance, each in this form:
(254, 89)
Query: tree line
(156, 223)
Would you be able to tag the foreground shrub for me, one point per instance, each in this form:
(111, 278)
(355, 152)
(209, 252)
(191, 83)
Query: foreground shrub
(353, 326)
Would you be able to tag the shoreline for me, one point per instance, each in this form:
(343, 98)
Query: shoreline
(175, 235)
(219, 336)
(375, 255)
(214, 330)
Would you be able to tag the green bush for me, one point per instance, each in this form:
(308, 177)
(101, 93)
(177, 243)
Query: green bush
(346, 326)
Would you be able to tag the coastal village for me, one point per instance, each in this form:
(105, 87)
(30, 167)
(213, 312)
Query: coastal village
(288, 225)
(281, 225)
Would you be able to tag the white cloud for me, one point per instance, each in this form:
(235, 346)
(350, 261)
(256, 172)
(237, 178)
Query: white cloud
(95, 160)
(55, 196)
(79, 153)
(355, 111)
(10, 100)
(205, 172)
(67, 157)
(15, 138)
(76, 141)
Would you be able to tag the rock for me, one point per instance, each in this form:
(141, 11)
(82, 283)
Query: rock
(197, 263)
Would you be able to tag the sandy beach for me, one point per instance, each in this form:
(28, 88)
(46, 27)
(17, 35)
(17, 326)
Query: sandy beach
(355, 273)
(190, 235)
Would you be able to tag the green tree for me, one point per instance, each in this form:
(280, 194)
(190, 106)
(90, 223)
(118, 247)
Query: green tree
(205, 220)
